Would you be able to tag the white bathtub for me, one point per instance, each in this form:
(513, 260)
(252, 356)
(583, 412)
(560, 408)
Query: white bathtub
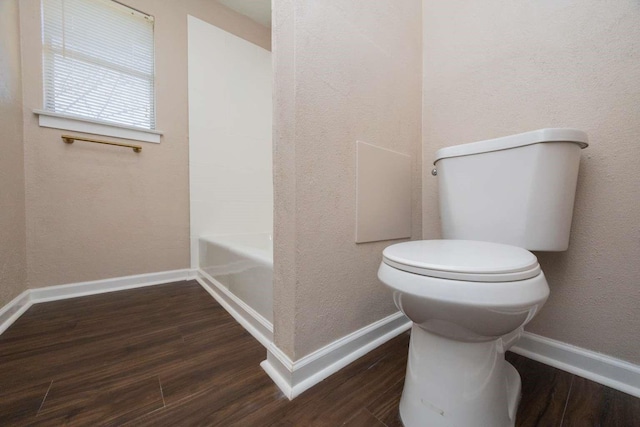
(240, 268)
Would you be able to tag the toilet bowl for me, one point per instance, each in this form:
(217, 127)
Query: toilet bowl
(468, 301)
(470, 295)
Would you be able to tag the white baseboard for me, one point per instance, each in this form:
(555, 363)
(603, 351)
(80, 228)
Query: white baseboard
(12, 311)
(293, 378)
(597, 367)
(74, 290)
(251, 320)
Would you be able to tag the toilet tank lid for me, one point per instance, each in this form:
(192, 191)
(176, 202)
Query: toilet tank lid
(468, 260)
(512, 141)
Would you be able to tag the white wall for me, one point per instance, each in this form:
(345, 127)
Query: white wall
(84, 201)
(344, 71)
(13, 257)
(230, 112)
(497, 67)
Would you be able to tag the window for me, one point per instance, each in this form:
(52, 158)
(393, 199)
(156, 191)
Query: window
(98, 62)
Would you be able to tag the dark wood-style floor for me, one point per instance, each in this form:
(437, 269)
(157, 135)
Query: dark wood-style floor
(169, 355)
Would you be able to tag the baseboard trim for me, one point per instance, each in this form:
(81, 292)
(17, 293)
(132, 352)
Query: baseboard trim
(293, 378)
(81, 289)
(252, 321)
(597, 367)
(14, 309)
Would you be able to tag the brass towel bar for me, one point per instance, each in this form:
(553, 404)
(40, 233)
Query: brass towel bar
(69, 140)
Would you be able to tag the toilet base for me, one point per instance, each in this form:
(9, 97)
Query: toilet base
(452, 383)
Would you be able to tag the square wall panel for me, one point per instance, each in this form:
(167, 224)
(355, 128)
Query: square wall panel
(383, 194)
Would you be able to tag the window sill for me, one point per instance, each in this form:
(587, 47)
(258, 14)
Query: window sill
(49, 119)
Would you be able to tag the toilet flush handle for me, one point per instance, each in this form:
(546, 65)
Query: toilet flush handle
(434, 172)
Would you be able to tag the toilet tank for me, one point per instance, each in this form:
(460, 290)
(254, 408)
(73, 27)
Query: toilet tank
(518, 190)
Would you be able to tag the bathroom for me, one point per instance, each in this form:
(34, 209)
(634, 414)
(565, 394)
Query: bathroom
(411, 77)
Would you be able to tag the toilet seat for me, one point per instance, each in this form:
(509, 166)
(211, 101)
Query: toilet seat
(468, 301)
(464, 260)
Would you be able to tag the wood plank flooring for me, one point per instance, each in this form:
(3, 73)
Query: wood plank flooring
(169, 355)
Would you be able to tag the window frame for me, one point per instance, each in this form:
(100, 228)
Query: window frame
(53, 119)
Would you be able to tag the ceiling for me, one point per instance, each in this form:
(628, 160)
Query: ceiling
(257, 10)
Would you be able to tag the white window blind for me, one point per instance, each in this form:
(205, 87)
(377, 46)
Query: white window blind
(98, 58)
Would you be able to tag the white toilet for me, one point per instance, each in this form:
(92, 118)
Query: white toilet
(470, 295)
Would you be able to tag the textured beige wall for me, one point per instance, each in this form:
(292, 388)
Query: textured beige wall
(284, 175)
(499, 67)
(12, 222)
(344, 71)
(95, 212)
